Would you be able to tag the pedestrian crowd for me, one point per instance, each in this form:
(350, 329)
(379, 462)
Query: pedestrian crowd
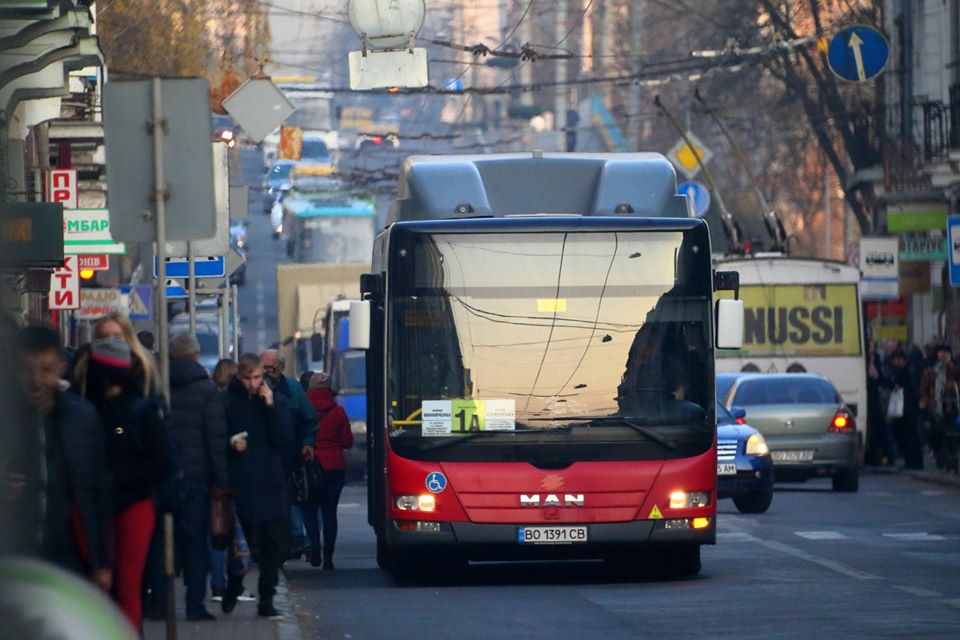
(913, 397)
(248, 461)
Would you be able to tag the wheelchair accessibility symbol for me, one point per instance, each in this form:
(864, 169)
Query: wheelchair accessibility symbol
(436, 482)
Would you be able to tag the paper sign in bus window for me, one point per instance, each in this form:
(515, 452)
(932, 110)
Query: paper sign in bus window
(437, 417)
(501, 415)
(468, 415)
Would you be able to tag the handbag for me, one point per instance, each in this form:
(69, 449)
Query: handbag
(239, 561)
(222, 520)
(895, 404)
(306, 483)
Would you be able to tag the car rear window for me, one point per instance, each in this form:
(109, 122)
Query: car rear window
(723, 385)
(785, 391)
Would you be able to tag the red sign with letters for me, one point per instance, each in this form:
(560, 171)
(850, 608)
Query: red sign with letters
(94, 262)
(62, 187)
(65, 285)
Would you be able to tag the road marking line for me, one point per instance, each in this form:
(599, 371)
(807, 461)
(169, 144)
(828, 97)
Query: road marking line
(933, 492)
(918, 591)
(734, 536)
(953, 603)
(820, 535)
(921, 536)
(837, 567)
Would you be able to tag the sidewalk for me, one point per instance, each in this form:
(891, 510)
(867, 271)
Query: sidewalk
(929, 473)
(242, 624)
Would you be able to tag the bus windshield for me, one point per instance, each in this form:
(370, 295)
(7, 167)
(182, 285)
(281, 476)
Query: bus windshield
(599, 340)
(336, 239)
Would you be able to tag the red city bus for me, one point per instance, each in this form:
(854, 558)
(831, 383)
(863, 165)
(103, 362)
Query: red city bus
(542, 386)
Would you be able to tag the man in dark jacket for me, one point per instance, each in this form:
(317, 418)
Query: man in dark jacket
(65, 492)
(304, 419)
(199, 428)
(258, 423)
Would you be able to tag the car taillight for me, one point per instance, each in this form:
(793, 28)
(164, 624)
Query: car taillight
(842, 423)
(740, 420)
(377, 140)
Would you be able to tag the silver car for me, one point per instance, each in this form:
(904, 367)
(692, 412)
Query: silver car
(809, 430)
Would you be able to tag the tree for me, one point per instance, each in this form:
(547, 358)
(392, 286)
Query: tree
(843, 119)
(218, 39)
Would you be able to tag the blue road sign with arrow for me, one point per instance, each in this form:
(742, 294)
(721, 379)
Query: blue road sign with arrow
(953, 249)
(858, 53)
(698, 194)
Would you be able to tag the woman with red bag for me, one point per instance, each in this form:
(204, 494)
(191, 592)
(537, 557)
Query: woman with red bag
(333, 437)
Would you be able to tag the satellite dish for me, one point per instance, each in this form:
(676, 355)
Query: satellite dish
(387, 24)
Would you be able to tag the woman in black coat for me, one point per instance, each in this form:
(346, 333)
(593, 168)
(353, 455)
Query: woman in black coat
(139, 458)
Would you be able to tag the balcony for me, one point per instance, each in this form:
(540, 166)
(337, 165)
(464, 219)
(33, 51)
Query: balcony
(921, 145)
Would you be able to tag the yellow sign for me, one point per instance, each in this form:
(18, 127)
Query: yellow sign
(551, 305)
(655, 514)
(800, 320)
(689, 156)
(685, 153)
(468, 415)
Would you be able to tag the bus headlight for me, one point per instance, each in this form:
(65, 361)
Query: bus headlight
(756, 446)
(685, 500)
(424, 502)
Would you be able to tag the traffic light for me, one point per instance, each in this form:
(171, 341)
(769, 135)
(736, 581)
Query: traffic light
(87, 274)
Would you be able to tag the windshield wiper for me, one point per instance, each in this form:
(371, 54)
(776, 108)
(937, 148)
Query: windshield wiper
(454, 439)
(646, 431)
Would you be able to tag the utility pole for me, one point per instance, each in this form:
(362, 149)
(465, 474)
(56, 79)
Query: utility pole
(827, 210)
(526, 69)
(771, 219)
(560, 98)
(730, 225)
(637, 8)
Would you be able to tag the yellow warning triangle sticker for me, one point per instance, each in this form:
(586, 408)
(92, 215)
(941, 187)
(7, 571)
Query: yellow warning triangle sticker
(655, 513)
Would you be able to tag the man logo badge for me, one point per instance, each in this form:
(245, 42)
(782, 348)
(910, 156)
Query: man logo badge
(552, 500)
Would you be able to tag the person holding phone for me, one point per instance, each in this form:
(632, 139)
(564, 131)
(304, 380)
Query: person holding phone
(260, 431)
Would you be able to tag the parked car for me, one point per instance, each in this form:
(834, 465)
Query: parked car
(744, 465)
(370, 142)
(313, 149)
(810, 431)
(208, 333)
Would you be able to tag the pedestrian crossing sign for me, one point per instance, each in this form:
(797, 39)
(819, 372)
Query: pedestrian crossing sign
(138, 300)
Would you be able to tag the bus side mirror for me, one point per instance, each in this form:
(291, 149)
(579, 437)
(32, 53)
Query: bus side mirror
(359, 324)
(371, 286)
(729, 324)
(316, 347)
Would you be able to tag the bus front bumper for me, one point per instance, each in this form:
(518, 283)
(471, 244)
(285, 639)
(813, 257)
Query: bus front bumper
(495, 541)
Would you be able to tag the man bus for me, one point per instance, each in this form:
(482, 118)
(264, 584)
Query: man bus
(541, 335)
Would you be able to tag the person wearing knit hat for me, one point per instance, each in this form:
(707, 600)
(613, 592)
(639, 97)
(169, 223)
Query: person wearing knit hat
(139, 458)
(320, 380)
(333, 437)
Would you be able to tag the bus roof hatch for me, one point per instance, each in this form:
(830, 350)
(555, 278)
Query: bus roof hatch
(589, 184)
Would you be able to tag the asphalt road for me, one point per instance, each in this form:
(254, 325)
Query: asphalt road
(258, 295)
(881, 563)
